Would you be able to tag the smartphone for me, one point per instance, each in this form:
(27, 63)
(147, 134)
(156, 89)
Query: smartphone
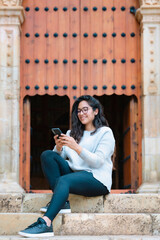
(56, 131)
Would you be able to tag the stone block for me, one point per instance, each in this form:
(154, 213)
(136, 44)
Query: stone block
(12, 223)
(82, 224)
(151, 120)
(149, 188)
(151, 171)
(106, 224)
(132, 203)
(152, 145)
(32, 202)
(10, 202)
(5, 238)
(8, 185)
(57, 224)
(156, 224)
(80, 204)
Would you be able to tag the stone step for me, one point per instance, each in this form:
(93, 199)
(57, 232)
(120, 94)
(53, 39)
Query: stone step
(87, 223)
(89, 237)
(113, 203)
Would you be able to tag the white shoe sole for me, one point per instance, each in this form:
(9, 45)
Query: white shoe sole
(29, 235)
(65, 211)
(44, 210)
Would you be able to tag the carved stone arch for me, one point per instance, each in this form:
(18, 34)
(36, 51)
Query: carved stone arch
(11, 3)
(149, 2)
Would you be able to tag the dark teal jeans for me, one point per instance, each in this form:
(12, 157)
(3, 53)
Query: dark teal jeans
(63, 181)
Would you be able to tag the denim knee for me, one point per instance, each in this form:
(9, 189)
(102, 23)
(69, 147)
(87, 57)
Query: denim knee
(62, 180)
(47, 154)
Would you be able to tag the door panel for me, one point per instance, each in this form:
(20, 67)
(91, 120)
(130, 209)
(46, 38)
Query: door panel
(130, 145)
(73, 47)
(26, 144)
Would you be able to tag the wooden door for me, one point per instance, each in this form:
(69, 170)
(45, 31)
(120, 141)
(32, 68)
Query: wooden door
(130, 145)
(75, 47)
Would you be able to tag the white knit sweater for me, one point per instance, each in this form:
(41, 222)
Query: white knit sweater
(95, 156)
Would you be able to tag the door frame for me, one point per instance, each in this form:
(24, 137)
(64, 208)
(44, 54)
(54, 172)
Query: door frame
(25, 147)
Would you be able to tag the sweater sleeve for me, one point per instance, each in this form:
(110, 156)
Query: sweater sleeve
(104, 150)
(61, 153)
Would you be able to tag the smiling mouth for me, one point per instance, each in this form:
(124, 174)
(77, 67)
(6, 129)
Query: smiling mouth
(82, 119)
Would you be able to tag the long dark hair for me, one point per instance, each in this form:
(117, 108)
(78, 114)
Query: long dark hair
(77, 128)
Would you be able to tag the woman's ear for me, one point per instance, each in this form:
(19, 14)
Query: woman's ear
(96, 112)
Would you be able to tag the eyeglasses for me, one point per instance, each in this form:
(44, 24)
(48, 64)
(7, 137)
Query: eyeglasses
(84, 110)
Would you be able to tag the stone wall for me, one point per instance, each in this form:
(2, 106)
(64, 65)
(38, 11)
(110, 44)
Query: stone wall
(149, 17)
(11, 18)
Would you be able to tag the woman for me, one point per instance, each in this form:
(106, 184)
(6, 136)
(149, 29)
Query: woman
(80, 163)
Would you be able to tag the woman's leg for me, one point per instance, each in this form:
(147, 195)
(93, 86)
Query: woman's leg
(80, 183)
(53, 166)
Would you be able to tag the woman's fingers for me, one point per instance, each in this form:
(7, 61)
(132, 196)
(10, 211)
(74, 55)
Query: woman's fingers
(65, 140)
(63, 135)
(58, 141)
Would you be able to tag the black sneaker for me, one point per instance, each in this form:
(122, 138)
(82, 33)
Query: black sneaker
(65, 209)
(38, 229)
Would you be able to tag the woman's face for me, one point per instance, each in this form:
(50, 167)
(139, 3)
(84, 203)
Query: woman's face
(86, 115)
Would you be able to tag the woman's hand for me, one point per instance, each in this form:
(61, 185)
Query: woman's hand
(58, 142)
(70, 142)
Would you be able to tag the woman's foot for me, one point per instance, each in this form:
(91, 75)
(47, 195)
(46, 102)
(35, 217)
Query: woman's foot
(38, 229)
(65, 209)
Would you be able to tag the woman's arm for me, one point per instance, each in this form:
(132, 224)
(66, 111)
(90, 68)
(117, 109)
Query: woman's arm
(104, 150)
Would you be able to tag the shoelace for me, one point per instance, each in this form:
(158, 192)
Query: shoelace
(35, 224)
(48, 204)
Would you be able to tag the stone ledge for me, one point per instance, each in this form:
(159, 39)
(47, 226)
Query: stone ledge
(107, 224)
(12, 223)
(10, 187)
(132, 203)
(89, 237)
(10, 202)
(80, 204)
(33, 202)
(113, 203)
(12, 16)
(86, 224)
(151, 188)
